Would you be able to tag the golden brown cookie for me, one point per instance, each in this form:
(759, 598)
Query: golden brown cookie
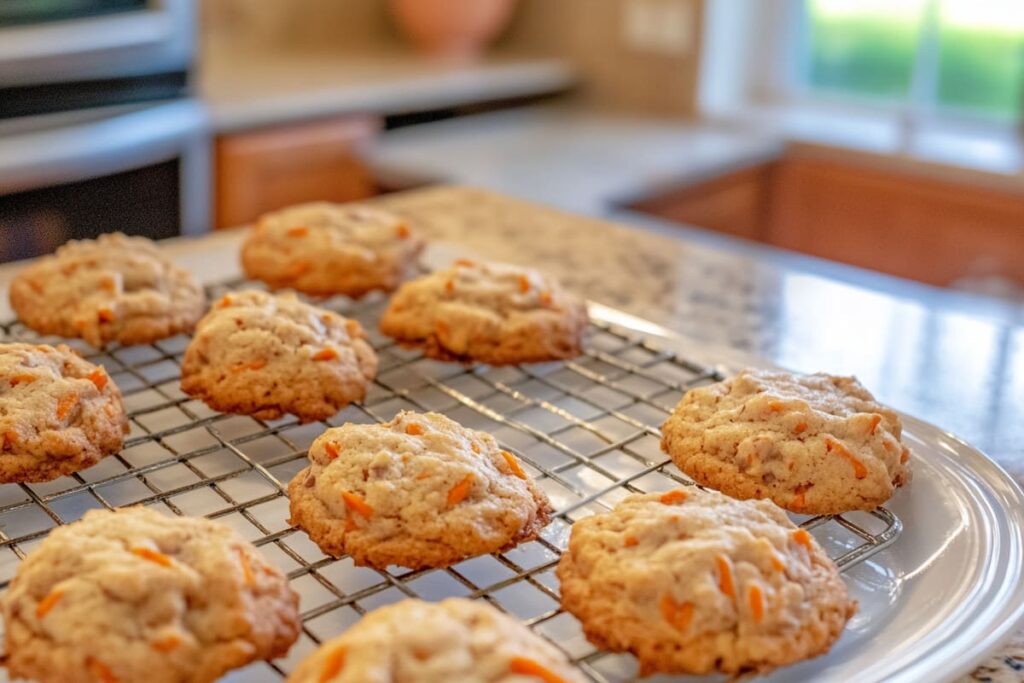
(324, 249)
(419, 491)
(691, 581)
(59, 413)
(487, 312)
(421, 642)
(113, 288)
(132, 595)
(265, 355)
(815, 444)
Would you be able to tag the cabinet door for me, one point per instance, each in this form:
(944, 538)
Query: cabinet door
(262, 170)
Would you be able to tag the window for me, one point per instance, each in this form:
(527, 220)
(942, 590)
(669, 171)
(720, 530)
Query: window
(959, 57)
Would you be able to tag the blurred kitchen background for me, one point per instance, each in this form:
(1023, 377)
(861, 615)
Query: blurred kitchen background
(885, 134)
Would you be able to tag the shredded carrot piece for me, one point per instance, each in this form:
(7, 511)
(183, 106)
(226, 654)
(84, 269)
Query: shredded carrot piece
(166, 644)
(875, 419)
(799, 501)
(334, 663)
(423, 475)
(99, 378)
(325, 354)
(225, 301)
(449, 286)
(332, 450)
(153, 556)
(755, 598)
(777, 563)
(678, 615)
(100, 671)
(10, 438)
(355, 503)
(22, 379)
(725, 583)
(105, 315)
(298, 231)
(108, 284)
(65, 405)
(673, 497)
(354, 329)
(631, 541)
(299, 268)
(859, 470)
(48, 603)
(800, 428)
(413, 429)
(513, 464)
(524, 283)
(775, 407)
(254, 365)
(403, 230)
(545, 298)
(528, 667)
(801, 537)
(247, 574)
(905, 455)
(459, 492)
(475, 446)
(464, 262)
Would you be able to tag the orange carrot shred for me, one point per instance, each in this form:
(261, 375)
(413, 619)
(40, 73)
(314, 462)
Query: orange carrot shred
(800, 428)
(166, 644)
(755, 598)
(254, 365)
(332, 450)
(105, 315)
(775, 407)
(355, 503)
(905, 455)
(10, 438)
(528, 667)
(153, 556)
(524, 283)
(100, 671)
(678, 615)
(631, 541)
(859, 470)
(458, 493)
(413, 429)
(673, 497)
(354, 329)
(298, 231)
(65, 405)
(225, 301)
(475, 446)
(875, 419)
(48, 603)
(22, 379)
(334, 663)
(449, 286)
(464, 262)
(725, 583)
(513, 464)
(325, 354)
(299, 268)
(99, 378)
(545, 298)
(799, 501)
(403, 230)
(801, 537)
(777, 563)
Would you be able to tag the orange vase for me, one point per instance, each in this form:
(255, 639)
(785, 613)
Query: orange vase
(457, 29)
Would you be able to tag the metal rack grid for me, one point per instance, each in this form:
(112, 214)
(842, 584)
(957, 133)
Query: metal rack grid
(586, 429)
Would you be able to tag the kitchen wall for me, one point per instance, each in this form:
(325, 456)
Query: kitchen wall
(619, 72)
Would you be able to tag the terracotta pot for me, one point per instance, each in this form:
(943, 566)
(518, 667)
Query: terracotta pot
(452, 28)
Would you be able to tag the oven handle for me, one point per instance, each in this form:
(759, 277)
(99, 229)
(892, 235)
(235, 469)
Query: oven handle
(119, 143)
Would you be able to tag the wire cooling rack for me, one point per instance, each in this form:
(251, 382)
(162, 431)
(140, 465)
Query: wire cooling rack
(586, 429)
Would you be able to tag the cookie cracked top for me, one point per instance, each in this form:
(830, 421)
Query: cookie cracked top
(418, 491)
(59, 413)
(488, 312)
(113, 288)
(815, 444)
(265, 355)
(422, 642)
(692, 581)
(133, 595)
(322, 249)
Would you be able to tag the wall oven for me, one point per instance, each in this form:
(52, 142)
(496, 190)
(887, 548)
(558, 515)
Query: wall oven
(98, 128)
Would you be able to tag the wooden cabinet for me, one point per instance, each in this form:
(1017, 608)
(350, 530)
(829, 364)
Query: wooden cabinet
(896, 222)
(266, 169)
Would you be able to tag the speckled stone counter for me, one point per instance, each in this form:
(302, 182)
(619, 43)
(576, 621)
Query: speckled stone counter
(953, 360)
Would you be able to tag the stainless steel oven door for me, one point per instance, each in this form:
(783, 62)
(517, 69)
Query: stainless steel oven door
(122, 159)
(154, 40)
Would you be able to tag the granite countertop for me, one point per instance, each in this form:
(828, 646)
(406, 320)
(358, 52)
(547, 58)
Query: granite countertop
(954, 360)
(250, 86)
